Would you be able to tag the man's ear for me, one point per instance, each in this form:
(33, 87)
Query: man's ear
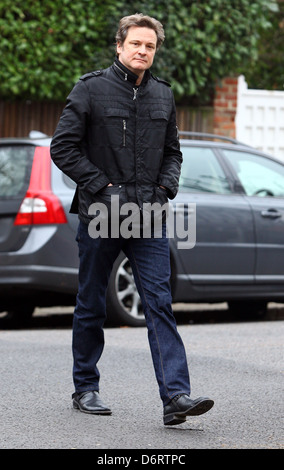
(118, 48)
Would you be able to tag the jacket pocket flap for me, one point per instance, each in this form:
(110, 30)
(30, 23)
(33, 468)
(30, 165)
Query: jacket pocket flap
(116, 112)
(158, 114)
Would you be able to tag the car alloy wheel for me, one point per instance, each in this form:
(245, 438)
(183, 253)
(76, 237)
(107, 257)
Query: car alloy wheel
(123, 301)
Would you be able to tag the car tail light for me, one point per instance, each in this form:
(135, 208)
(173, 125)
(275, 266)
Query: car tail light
(40, 205)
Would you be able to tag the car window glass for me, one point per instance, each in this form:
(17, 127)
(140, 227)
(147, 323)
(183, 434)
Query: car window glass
(201, 172)
(68, 181)
(259, 175)
(15, 165)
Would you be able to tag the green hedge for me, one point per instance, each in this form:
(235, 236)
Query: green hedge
(47, 44)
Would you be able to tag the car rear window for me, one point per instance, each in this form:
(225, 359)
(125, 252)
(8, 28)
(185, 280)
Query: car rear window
(15, 168)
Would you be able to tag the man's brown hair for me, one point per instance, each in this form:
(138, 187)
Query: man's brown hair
(143, 21)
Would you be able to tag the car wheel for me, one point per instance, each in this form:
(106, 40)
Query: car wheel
(248, 309)
(124, 305)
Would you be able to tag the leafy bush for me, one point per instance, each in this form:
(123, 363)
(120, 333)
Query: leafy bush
(267, 71)
(47, 45)
(207, 40)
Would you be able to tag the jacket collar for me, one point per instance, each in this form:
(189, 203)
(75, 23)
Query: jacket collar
(125, 74)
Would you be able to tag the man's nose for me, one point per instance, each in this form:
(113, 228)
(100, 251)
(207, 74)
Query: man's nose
(142, 49)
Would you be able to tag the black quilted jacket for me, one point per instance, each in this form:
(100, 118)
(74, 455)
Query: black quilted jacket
(112, 131)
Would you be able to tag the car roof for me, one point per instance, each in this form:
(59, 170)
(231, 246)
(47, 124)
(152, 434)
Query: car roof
(34, 138)
(191, 139)
(217, 141)
(39, 138)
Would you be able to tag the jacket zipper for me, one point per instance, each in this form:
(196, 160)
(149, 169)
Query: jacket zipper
(124, 132)
(135, 90)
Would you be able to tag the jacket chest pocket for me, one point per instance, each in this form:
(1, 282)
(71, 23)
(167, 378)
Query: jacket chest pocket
(156, 129)
(116, 125)
(159, 118)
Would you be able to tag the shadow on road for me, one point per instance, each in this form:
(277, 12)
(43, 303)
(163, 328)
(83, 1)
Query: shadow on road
(223, 315)
(61, 318)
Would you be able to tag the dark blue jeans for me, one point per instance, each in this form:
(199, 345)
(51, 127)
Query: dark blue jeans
(150, 263)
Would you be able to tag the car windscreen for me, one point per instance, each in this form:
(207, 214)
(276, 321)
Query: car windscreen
(15, 168)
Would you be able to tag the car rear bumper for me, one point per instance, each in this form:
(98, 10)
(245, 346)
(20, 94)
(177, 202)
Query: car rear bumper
(34, 277)
(48, 262)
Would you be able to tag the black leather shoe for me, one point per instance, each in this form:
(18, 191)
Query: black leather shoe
(90, 402)
(182, 406)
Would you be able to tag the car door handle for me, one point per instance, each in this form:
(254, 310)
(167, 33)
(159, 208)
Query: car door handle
(271, 214)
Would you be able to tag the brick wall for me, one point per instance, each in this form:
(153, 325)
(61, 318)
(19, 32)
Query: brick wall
(225, 107)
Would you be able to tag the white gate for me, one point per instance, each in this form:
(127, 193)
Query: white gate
(260, 119)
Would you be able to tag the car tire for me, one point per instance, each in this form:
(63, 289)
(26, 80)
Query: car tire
(124, 305)
(248, 309)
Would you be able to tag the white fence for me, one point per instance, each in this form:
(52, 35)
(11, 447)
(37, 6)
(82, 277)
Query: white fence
(260, 119)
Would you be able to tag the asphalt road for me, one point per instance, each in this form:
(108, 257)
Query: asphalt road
(238, 364)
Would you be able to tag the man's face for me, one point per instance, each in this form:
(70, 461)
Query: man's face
(138, 50)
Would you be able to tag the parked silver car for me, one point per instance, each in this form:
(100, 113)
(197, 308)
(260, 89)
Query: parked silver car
(238, 256)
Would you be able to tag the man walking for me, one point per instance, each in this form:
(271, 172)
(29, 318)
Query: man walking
(117, 136)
